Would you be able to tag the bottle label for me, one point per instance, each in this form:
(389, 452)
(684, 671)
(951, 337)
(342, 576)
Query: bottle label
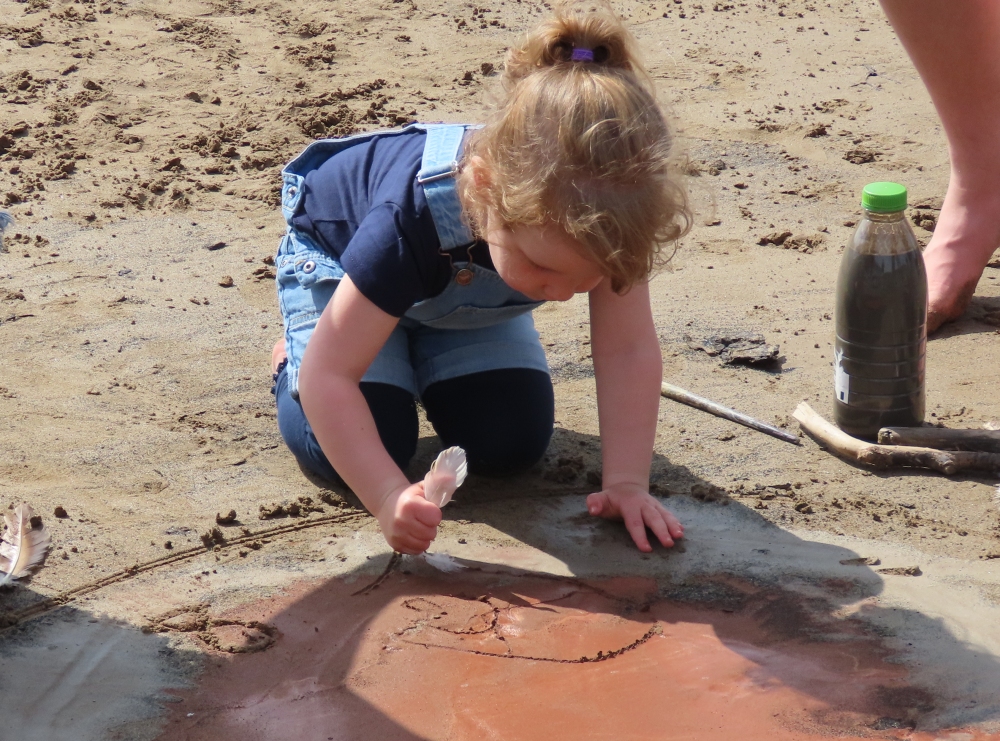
(841, 381)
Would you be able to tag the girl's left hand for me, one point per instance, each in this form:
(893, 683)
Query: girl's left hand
(639, 510)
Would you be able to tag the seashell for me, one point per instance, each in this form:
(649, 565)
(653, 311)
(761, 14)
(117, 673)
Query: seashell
(447, 474)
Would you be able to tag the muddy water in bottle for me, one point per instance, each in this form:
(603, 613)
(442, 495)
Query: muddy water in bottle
(881, 320)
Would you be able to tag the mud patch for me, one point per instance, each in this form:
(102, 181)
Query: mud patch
(738, 348)
(523, 655)
(234, 636)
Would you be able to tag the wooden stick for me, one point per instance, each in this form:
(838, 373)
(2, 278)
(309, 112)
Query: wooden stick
(890, 456)
(942, 439)
(699, 402)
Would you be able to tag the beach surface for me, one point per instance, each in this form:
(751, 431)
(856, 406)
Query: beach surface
(140, 151)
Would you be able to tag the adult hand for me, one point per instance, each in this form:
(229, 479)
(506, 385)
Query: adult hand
(638, 509)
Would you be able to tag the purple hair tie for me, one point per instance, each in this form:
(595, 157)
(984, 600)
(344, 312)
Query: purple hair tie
(582, 55)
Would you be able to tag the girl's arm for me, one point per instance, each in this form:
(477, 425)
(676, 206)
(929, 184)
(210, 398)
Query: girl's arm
(629, 369)
(349, 334)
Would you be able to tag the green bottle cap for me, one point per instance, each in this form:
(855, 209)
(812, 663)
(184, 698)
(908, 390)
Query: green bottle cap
(883, 197)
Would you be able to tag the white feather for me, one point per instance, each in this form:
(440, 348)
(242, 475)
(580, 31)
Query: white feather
(22, 547)
(443, 562)
(447, 474)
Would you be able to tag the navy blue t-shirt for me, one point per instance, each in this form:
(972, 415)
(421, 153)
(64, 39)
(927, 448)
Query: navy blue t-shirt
(365, 207)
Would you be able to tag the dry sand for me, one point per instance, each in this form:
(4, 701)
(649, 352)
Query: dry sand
(140, 146)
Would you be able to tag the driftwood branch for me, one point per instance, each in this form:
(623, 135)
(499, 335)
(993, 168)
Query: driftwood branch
(676, 393)
(890, 456)
(935, 437)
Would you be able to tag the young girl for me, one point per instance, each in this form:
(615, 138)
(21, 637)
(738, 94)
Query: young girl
(414, 257)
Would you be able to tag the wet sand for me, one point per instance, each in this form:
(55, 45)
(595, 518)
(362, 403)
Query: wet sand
(513, 655)
(750, 630)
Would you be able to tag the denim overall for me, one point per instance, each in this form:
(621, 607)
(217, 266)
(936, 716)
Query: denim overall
(472, 326)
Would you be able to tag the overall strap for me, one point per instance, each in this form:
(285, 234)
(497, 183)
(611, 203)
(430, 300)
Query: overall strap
(438, 169)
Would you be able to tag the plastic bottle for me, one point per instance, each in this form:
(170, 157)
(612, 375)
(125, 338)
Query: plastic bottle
(881, 320)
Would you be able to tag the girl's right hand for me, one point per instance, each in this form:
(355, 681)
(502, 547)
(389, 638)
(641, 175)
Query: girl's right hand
(408, 521)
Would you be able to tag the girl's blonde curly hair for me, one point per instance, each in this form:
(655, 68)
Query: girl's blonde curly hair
(582, 145)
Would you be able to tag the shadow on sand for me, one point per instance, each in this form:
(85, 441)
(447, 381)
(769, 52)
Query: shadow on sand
(743, 631)
(747, 631)
(981, 317)
(70, 675)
